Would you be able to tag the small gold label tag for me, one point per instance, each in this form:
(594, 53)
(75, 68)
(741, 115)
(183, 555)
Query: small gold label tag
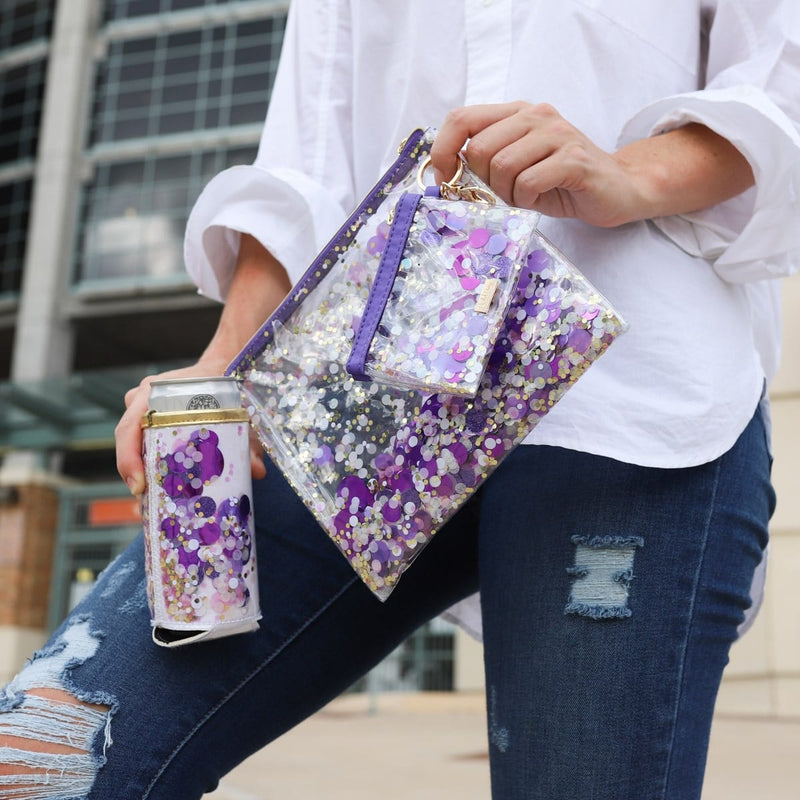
(487, 295)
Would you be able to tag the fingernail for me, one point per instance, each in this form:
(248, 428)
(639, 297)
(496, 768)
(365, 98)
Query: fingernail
(133, 485)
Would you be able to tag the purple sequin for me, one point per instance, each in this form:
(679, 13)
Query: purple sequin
(479, 237)
(496, 244)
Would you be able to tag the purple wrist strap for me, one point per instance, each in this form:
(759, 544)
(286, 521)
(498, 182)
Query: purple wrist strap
(382, 285)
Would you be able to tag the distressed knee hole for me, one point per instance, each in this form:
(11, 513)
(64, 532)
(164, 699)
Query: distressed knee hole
(602, 576)
(52, 742)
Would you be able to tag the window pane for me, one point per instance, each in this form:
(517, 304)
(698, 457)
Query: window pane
(15, 201)
(133, 47)
(128, 128)
(132, 71)
(245, 113)
(177, 66)
(21, 92)
(131, 100)
(254, 54)
(175, 123)
(180, 93)
(189, 39)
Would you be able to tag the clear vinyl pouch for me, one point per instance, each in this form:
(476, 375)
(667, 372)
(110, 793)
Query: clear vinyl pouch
(383, 468)
(446, 278)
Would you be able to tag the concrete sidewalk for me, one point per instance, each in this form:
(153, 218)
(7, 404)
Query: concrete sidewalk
(432, 746)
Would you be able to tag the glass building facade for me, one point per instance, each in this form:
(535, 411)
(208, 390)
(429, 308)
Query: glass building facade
(189, 81)
(179, 92)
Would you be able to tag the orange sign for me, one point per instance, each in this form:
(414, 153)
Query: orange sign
(114, 511)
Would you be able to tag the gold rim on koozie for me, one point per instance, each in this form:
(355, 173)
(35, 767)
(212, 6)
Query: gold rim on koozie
(166, 419)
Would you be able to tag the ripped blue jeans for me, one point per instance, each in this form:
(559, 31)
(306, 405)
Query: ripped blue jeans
(611, 594)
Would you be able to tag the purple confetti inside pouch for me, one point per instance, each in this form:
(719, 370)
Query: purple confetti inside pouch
(442, 295)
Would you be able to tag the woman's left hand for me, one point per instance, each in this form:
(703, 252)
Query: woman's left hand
(533, 158)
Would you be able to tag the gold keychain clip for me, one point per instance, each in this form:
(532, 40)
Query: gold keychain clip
(452, 189)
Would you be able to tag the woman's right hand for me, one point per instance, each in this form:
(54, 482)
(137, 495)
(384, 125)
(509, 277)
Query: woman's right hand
(533, 158)
(128, 433)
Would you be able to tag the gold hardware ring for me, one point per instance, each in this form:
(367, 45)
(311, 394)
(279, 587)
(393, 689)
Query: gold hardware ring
(451, 184)
(452, 190)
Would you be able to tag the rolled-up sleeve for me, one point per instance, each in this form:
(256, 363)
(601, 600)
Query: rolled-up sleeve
(299, 189)
(750, 98)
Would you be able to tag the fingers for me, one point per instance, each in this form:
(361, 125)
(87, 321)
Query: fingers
(128, 435)
(257, 468)
(130, 395)
(505, 140)
(533, 158)
(511, 169)
(460, 125)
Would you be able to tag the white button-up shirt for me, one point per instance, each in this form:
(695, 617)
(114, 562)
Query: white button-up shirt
(697, 289)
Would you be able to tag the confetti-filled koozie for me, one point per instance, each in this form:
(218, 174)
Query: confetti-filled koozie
(199, 533)
(383, 468)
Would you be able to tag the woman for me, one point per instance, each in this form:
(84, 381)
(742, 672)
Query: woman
(615, 552)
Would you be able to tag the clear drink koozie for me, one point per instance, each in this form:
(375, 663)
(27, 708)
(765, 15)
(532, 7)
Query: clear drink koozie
(197, 511)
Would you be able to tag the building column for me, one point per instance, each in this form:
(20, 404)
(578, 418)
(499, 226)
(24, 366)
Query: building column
(43, 344)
